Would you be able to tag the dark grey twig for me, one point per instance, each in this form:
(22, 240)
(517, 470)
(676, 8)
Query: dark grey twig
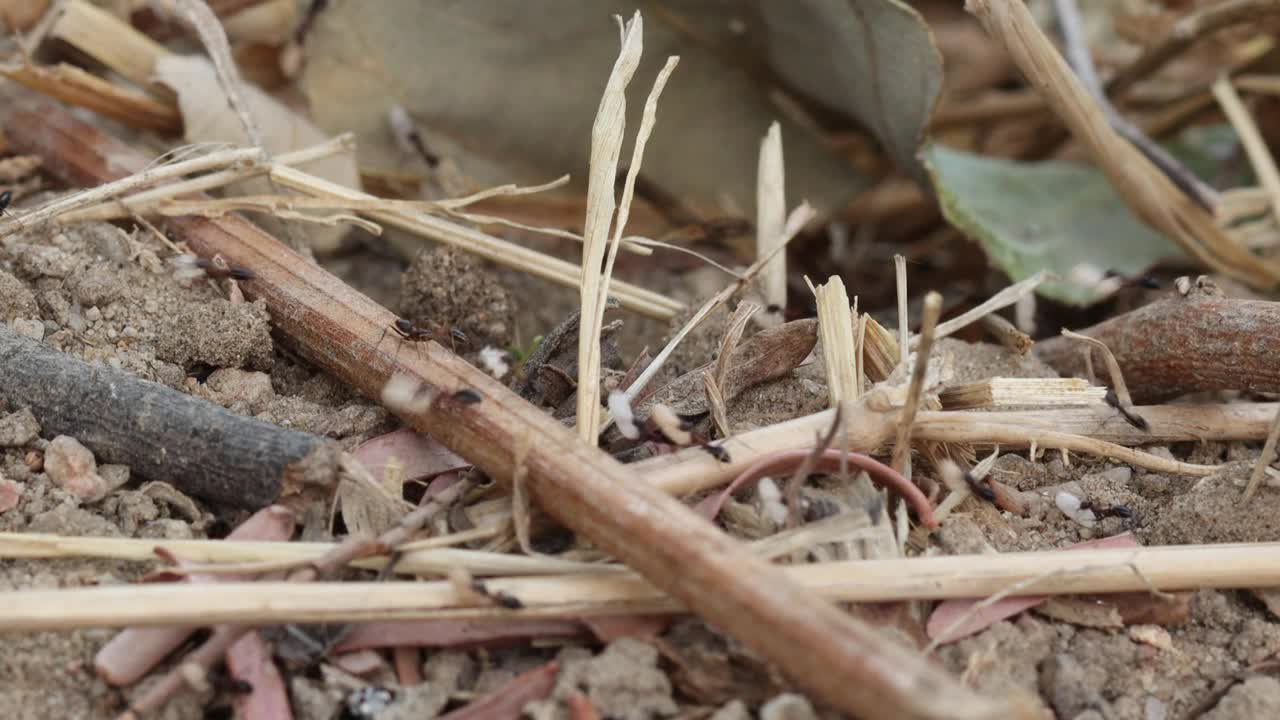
(196, 446)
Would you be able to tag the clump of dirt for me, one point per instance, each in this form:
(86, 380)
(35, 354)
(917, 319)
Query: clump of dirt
(230, 335)
(16, 301)
(449, 289)
(621, 682)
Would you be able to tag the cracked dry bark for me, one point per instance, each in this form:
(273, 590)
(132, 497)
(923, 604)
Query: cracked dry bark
(1183, 344)
(842, 661)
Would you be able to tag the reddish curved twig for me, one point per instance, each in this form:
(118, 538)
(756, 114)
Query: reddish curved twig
(829, 461)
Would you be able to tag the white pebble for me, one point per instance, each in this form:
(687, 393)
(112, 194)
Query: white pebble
(620, 409)
(1070, 506)
(93, 314)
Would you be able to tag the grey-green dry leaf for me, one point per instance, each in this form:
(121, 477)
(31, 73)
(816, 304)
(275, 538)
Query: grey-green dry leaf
(872, 59)
(510, 91)
(1057, 216)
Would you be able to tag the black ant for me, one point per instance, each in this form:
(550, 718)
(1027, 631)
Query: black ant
(221, 680)
(216, 271)
(980, 488)
(1144, 281)
(190, 267)
(6, 197)
(467, 396)
(716, 451)
(1130, 417)
(499, 598)
(1101, 511)
(413, 332)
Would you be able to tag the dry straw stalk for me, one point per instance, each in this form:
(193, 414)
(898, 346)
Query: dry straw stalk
(1183, 567)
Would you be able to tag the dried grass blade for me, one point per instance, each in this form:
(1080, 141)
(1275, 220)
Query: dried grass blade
(737, 325)
(771, 218)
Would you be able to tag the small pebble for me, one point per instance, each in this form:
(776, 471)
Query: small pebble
(10, 494)
(114, 475)
(71, 466)
(34, 460)
(788, 706)
(1070, 506)
(93, 314)
(18, 428)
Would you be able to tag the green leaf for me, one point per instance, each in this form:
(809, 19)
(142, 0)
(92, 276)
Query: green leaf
(1057, 216)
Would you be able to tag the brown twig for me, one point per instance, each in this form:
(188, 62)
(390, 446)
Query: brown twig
(1006, 333)
(902, 445)
(1182, 345)
(839, 659)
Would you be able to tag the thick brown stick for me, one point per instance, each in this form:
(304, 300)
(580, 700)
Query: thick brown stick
(1182, 345)
(839, 659)
(198, 447)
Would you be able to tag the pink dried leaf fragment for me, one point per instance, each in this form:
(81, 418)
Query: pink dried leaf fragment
(421, 456)
(249, 660)
(509, 700)
(10, 494)
(948, 612)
